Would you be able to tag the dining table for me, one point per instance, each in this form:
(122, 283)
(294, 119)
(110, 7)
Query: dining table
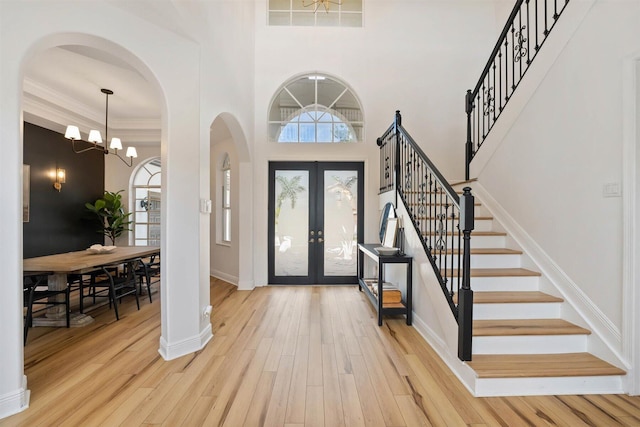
(59, 266)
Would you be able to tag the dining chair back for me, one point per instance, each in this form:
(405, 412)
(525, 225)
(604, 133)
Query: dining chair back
(112, 282)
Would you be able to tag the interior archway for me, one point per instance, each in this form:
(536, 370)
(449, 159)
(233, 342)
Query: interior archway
(228, 143)
(37, 93)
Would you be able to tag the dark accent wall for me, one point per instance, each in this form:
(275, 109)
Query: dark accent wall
(58, 221)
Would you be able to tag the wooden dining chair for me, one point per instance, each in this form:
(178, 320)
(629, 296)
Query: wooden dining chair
(113, 283)
(35, 291)
(149, 272)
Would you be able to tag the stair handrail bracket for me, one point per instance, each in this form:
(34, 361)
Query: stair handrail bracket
(527, 28)
(441, 218)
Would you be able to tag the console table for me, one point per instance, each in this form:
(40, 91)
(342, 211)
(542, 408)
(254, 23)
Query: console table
(389, 308)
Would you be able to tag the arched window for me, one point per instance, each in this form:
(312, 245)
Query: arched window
(226, 199)
(315, 108)
(147, 190)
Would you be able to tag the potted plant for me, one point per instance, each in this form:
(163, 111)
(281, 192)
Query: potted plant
(112, 216)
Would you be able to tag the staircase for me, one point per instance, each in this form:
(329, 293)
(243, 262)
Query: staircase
(521, 344)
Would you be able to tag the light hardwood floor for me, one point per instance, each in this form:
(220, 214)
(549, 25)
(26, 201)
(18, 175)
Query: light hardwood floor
(281, 356)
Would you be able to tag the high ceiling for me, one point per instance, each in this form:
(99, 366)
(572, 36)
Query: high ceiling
(62, 85)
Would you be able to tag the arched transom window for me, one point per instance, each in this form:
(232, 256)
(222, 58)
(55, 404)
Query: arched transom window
(315, 108)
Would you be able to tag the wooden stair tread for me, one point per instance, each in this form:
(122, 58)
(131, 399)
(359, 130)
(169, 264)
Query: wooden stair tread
(541, 365)
(497, 272)
(437, 203)
(511, 327)
(474, 233)
(487, 251)
(468, 181)
(428, 192)
(511, 297)
(430, 218)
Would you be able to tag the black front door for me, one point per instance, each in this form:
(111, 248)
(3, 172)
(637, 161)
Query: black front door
(315, 221)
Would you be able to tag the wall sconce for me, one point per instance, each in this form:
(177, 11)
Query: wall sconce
(60, 178)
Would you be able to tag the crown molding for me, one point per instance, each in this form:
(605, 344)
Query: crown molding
(53, 110)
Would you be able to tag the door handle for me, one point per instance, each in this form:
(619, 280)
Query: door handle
(311, 240)
(320, 240)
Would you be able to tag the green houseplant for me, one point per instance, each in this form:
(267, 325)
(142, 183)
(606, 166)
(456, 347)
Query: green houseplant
(111, 214)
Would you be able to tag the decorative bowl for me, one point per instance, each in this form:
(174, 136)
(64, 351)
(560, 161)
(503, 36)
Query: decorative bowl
(99, 249)
(386, 251)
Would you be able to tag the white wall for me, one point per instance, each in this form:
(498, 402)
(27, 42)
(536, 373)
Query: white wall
(419, 57)
(227, 92)
(225, 259)
(550, 170)
(171, 65)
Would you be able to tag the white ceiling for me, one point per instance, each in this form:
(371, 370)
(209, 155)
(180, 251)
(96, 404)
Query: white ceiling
(62, 86)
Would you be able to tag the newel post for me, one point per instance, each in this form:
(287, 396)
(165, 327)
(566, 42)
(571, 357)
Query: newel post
(397, 123)
(469, 145)
(465, 294)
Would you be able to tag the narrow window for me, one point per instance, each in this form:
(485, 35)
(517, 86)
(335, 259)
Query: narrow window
(147, 191)
(226, 200)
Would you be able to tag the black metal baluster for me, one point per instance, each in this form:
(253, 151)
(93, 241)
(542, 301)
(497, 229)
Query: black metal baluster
(494, 90)
(477, 108)
(500, 77)
(506, 70)
(448, 278)
(537, 31)
(484, 102)
(546, 27)
(528, 37)
(520, 43)
(513, 62)
(459, 252)
(555, 9)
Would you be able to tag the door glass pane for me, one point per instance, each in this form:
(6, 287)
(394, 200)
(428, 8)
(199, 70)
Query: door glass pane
(291, 223)
(340, 222)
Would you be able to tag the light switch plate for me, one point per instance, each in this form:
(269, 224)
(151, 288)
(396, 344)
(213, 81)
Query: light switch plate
(205, 206)
(611, 189)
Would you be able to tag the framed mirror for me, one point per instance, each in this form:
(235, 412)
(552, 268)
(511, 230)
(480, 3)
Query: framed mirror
(388, 211)
(389, 239)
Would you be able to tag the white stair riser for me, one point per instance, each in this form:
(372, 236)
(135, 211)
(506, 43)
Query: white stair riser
(479, 225)
(508, 283)
(476, 241)
(530, 344)
(492, 261)
(483, 225)
(547, 310)
(607, 384)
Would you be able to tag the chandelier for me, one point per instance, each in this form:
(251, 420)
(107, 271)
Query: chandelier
(317, 3)
(95, 138)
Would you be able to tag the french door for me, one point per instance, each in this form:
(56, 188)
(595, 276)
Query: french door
(315, 221)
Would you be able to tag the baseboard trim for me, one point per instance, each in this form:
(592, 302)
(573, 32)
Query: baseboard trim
(16, 401)
(170, 351)
(464, 373)
(224, 276)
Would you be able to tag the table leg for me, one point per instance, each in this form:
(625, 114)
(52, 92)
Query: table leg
(55, 316)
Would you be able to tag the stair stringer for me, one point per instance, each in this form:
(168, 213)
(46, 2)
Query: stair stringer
(605, 340)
